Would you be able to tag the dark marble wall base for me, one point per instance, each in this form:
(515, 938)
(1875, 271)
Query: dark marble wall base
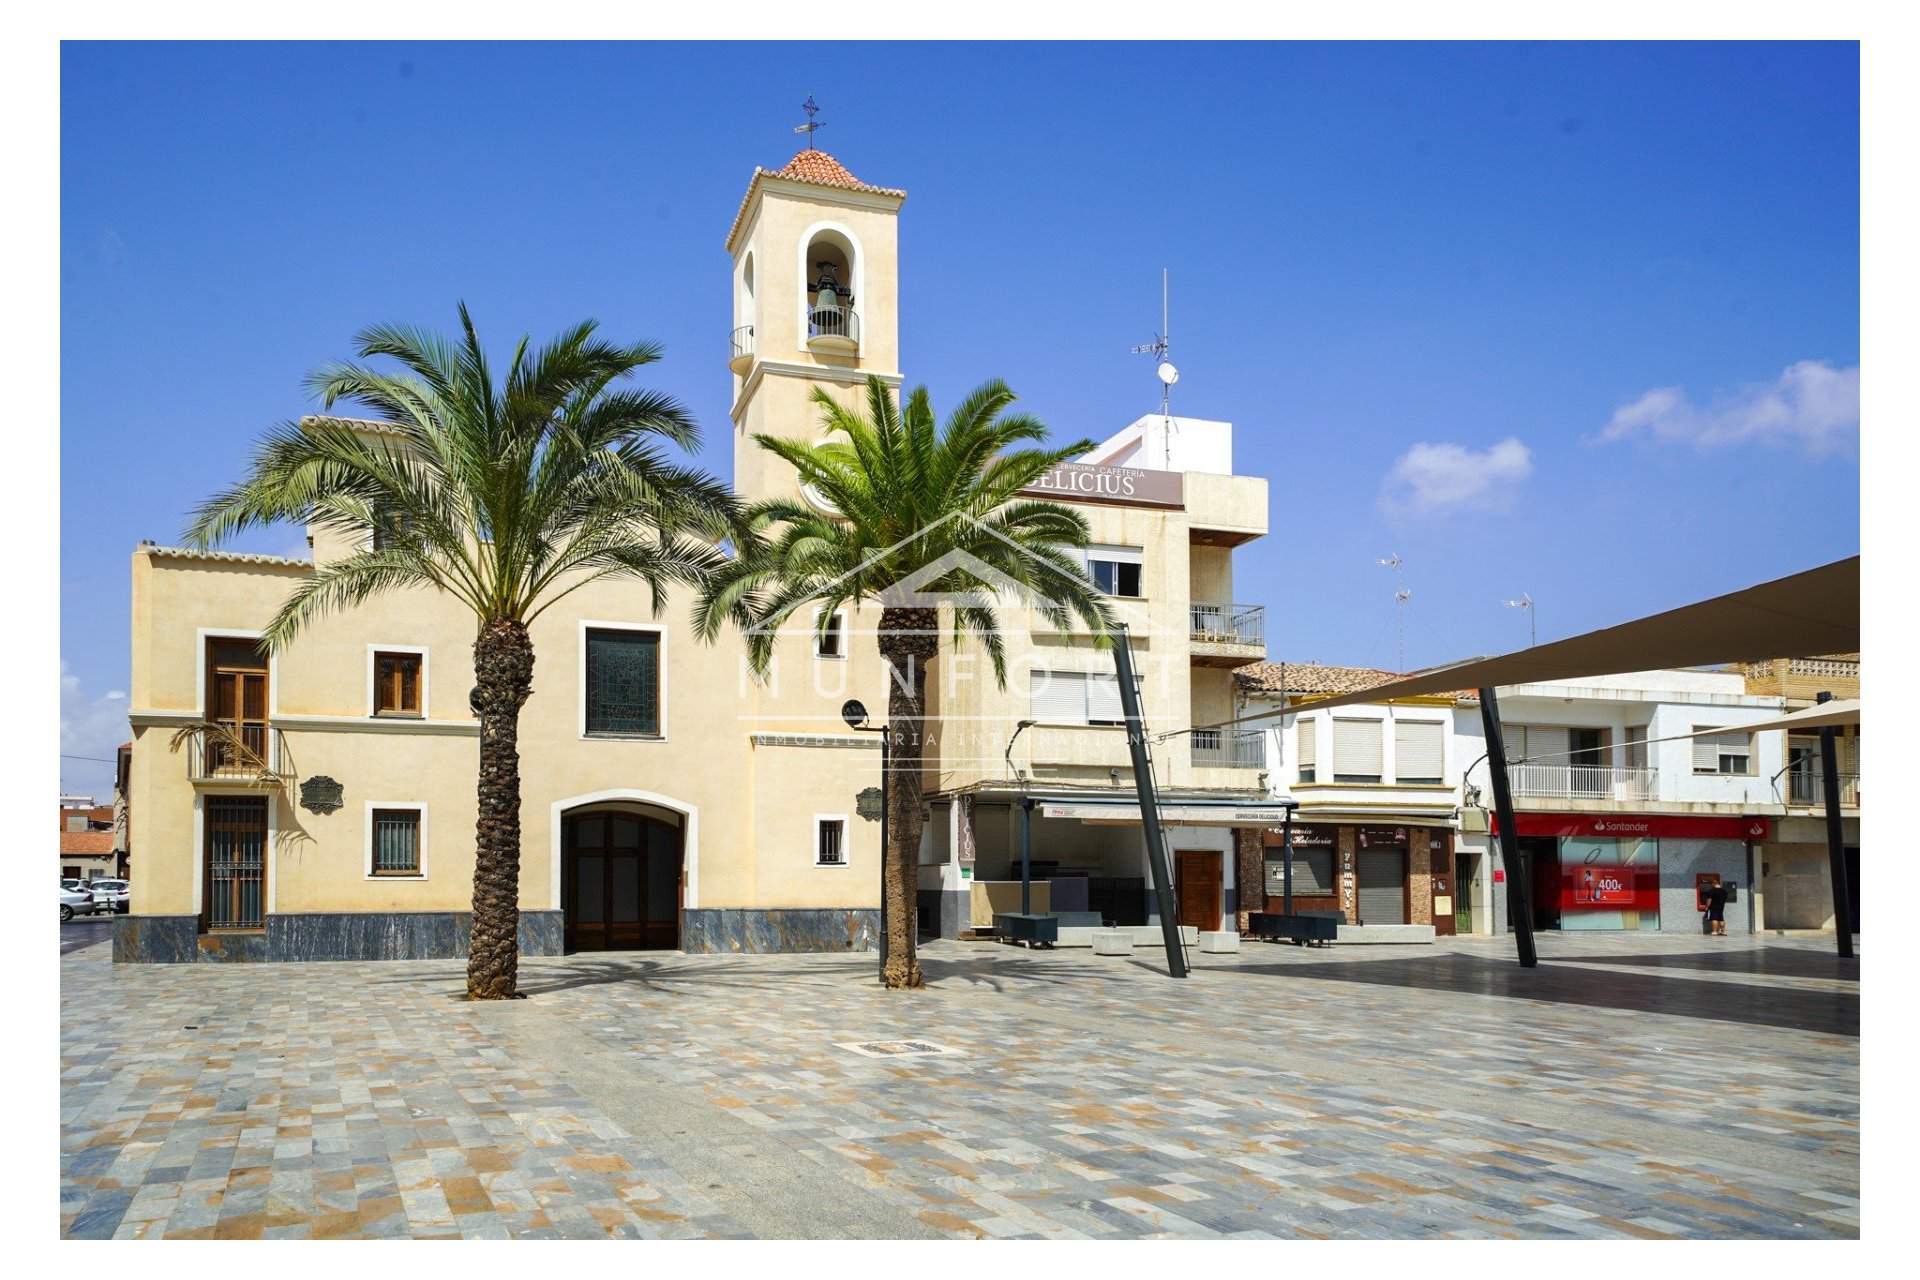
(330, 935)
(708, 930)
(946, 911)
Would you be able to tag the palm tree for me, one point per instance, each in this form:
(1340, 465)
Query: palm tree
(911, 515)
(508, 496)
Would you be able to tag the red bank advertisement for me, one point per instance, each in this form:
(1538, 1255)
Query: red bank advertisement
(1601, 887)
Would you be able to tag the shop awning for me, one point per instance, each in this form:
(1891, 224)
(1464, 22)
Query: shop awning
(1800, 616)
(1191, 813)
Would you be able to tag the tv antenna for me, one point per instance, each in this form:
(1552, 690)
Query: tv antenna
(1526, 602)
(1163, 368)
(812, 109)
(1400, 597)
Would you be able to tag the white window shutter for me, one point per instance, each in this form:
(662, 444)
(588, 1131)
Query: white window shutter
(1416, 749)
(1103, 698)
(1356, 747)
(1307, 733)
(1058, 697)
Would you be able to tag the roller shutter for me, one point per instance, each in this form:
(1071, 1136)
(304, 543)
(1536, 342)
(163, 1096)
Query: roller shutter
(1416, 750)
(1356, 750)
(1312, 874)
(1383, 886)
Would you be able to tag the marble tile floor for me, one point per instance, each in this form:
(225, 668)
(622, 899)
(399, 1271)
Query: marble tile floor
(1631, 1086)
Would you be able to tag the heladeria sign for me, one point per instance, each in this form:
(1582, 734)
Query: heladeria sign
(1125, 486)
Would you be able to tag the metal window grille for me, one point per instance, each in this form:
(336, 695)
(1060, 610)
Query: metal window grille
(236, 829)
(623, 682)
(832, 838)
(396, 842)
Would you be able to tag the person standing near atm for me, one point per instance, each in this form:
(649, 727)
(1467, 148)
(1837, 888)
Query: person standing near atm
(1717, 909)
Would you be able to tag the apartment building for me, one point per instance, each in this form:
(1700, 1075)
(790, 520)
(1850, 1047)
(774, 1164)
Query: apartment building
(1623, 808)
(669, 800)
(1796, 868)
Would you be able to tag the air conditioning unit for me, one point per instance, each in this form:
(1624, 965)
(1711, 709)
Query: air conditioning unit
(1473, 821)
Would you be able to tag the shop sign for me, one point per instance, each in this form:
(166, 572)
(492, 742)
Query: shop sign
(1642, 826)
(1126, 486)
(1383, 837)
(1307, 835)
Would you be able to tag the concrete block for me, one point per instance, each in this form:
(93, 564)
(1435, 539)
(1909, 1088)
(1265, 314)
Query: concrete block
(1113, 942)
(1387, 933)
(1222, 943)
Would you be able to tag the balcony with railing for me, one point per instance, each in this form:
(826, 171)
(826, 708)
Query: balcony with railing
(1227, 635)
(1561, 781)
(1229, 749)
(236, 754)
(833, 329)
(1807, 788)
(741, 361)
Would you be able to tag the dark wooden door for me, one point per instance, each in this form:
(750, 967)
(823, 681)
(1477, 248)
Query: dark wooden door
(620, 883)
(1197, 883)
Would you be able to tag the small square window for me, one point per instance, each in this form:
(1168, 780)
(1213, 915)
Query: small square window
(396, 842)
(830, 842)
(396, 684)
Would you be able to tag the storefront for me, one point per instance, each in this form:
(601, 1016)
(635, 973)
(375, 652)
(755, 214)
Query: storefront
(1635, 872)
(1372, 874)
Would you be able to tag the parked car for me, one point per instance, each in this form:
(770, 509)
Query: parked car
(76, 902)
(72, 884)
(110, 895)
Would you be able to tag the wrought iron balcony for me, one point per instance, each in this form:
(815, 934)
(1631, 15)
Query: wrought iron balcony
(229, 753)
(1227, 635)
(742, 359)
(1230, 748)
(1808, 787)
(1560, 781)
(835, 328)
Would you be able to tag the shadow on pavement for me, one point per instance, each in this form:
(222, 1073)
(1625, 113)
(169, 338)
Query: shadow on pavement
(1781, 962)
(1825, 1012)
(85, 931)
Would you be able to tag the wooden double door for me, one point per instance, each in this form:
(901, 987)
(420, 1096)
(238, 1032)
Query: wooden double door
(620, 882)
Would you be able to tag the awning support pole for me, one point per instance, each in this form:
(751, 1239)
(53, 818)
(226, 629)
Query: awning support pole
(1286, 864)
(1149, 810)
(1518, 900)
(1836, 842)
(1026, 858)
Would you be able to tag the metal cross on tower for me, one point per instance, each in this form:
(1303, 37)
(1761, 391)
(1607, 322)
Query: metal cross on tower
(812, 109)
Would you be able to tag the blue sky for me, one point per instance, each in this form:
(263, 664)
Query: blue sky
(1575, 320)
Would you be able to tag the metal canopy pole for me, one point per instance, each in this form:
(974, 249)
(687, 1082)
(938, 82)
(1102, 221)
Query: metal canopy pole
(1286, 864)
(1517, 888)
(1149, 811)
(1026, 858)
(1836, 845)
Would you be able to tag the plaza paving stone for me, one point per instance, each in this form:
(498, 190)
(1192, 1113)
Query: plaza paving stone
(1631, 1086)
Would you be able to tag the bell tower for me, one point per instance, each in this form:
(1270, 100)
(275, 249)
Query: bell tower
(815, 304)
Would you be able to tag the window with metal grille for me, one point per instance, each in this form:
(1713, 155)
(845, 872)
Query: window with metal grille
(623, 683)
(830, 842)
(396, 842)
(396, 684)
(236, 853)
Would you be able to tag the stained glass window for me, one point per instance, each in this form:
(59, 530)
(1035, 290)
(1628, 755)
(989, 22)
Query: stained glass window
(623, 683)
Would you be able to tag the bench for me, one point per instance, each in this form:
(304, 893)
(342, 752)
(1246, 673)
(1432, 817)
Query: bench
(1034, 930)
(1306, 928)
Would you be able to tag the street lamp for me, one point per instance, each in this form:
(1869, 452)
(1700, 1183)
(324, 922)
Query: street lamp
(1018, 729)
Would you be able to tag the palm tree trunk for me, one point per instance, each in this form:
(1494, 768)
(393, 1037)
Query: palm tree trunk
(503, 674)
(909, 638)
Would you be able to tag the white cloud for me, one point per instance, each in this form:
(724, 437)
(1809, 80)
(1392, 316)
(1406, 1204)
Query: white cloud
(1431, 478)
(1811, 403)
(92, 727)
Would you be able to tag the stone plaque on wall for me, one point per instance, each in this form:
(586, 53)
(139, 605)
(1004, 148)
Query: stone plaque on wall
(320, 794)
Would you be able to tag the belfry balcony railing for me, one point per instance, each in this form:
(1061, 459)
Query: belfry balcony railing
(742, 359)
(834, 328)
(1230, 748)
(238, 753)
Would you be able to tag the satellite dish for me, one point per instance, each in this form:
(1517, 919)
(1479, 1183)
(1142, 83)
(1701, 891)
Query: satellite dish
(1167, 373)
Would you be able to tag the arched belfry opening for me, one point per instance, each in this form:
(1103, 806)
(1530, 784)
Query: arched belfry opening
(743, 321)
(830, 275)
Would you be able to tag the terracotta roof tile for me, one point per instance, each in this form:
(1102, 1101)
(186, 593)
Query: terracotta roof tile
(816, 168)
(1308, 677)
(82, 844)
(231, 557)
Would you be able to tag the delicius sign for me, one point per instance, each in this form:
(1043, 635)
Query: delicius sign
(1126, 486)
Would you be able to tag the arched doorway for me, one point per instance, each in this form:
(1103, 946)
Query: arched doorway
(620, 879)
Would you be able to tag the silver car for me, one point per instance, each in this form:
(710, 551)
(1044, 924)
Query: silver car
(110, 895)
(76, 902)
